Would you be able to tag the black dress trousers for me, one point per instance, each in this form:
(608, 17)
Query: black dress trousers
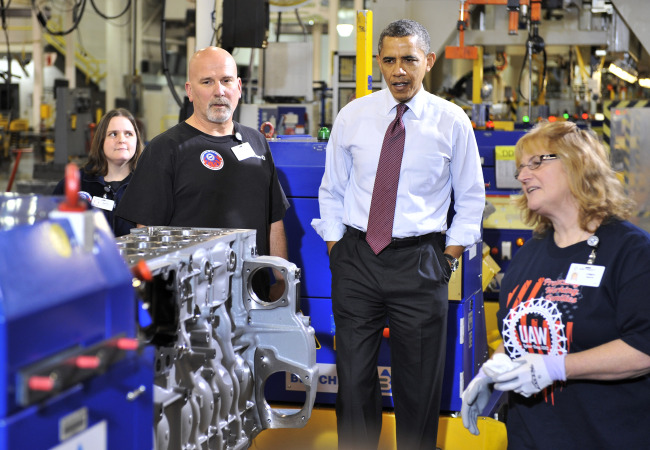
(406, 286)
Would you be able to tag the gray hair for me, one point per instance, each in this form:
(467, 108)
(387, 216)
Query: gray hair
(404, 28)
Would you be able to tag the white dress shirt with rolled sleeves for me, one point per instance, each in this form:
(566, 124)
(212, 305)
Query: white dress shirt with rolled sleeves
(440, 154)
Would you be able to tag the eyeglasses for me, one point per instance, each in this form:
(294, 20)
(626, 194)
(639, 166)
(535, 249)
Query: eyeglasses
(534, 163)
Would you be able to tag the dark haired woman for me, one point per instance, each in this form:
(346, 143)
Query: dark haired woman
(113, 155)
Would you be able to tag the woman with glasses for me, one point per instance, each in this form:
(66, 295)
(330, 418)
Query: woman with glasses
(574, 306)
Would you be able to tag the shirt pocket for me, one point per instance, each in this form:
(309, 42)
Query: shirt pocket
(427, 173)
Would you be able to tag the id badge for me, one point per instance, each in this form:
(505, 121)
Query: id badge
(585, 275)
(103, 203)
(243, 151)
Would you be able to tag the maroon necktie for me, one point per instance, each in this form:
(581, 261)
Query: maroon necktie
(384, 193)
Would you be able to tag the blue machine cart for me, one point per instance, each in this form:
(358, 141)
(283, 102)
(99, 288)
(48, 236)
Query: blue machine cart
(72, 373)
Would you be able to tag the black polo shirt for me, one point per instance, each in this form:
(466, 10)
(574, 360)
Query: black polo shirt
(187, 178)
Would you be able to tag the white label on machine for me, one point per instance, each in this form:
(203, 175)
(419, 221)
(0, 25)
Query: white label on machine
(504, 165)
(328, 381)
(73, 423)
(94, 438)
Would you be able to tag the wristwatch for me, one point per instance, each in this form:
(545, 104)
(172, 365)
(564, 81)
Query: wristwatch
(453, 262)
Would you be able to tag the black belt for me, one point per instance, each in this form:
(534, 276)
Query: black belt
(395, 242)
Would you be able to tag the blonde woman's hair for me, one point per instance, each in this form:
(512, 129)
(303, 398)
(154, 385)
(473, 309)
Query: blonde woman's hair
(598, 192)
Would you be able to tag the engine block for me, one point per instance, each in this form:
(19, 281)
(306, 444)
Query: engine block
(217, 336)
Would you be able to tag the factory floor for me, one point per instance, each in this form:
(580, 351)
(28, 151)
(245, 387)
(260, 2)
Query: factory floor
(320, 434)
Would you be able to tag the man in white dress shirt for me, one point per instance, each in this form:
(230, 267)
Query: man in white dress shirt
(404, 285)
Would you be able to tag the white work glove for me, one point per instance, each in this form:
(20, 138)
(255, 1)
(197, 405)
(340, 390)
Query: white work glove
(477, 394)
(533, 374)
(475, 399)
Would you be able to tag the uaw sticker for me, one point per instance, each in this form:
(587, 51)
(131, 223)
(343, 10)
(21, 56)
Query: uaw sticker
(83, 195)
(212, 160)
(534, 326)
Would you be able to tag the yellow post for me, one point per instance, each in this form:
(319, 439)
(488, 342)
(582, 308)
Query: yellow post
(364, 53)
(477, 77)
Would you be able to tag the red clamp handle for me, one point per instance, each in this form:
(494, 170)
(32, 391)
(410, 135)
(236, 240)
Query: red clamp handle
(72, 183)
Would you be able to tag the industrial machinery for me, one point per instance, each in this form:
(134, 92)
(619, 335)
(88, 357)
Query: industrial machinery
(160, 339)
(503, 230)
(74, 115)
(73, 374)
(631, 158)
(216, 339)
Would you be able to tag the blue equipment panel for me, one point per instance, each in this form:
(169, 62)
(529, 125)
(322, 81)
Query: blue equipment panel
(486, 141)
(495, 237)
(306, 248)
(466, 348)
(68, 355)
(301, 163)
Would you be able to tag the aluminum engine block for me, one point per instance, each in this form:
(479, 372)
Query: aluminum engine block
(216, 339)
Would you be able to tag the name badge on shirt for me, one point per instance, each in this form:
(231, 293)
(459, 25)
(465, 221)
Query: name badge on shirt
(243, 151)
(585, 274)
(103, 203)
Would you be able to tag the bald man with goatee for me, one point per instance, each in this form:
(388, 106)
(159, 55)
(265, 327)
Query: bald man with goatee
(210, 171)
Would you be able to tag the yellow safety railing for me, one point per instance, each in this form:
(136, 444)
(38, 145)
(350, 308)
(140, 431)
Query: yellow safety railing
(88, 65)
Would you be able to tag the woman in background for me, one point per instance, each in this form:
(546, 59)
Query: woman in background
(113, 155)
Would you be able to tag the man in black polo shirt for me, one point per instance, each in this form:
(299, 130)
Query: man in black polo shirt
(210, 171)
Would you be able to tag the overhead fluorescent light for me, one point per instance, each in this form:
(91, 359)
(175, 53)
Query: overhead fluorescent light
(644, 82)
(624, 71)
(344, 29)
(601, 52)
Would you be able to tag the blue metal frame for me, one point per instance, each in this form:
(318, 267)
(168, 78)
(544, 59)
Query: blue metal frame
(59, 301)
